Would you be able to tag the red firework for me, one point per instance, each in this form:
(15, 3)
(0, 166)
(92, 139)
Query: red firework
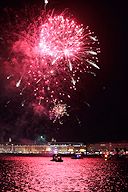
(50, 53)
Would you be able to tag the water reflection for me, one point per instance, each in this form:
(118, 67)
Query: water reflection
(39, 174)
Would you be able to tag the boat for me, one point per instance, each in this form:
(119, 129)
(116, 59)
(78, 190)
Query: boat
(77, 156)
(57, 158)
(107, 157)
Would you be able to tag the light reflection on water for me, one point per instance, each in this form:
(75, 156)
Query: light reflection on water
(29, 174)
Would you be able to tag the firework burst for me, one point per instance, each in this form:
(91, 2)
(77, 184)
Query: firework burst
(59, 110)
(47, 57)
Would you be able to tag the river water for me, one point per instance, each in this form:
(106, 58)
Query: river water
(30, 174)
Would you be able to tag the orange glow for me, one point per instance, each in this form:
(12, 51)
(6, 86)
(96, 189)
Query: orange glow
(48, 149)
(70, 150)
(82, 150)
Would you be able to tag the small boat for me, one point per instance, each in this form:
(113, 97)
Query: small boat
(77, 156)
(57, 158)
(107, 156)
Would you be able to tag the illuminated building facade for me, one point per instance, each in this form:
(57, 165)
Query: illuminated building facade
(46, 149)
(65, 148)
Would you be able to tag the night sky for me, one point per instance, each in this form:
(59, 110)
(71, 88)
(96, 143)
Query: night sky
(98, 109)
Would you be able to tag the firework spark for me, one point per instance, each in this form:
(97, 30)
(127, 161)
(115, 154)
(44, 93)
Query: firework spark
(48, 56)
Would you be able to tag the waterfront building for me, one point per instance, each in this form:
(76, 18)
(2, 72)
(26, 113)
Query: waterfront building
(65, 148)
(45, 149)
(112, 147)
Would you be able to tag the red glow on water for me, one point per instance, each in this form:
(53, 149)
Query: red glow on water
(41, 174)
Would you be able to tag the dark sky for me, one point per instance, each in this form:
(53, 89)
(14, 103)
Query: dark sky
(99, 106)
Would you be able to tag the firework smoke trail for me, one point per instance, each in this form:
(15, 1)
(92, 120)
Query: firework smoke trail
(45, 4)
(48, 56)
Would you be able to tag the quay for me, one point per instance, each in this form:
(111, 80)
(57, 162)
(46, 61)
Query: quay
(64, 148)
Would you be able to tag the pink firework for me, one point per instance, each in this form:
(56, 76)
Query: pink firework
(48, 56)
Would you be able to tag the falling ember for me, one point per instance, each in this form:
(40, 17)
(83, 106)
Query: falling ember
(48, 56)
(18, 83)
(93, 64)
